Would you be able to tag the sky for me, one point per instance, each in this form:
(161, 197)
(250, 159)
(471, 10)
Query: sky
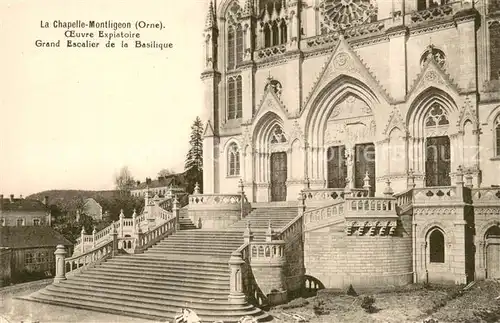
(72, 117)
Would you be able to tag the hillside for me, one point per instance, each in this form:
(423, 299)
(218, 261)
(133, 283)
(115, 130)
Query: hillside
(62, 196)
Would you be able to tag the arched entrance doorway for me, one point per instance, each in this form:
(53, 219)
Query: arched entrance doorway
(493, 252)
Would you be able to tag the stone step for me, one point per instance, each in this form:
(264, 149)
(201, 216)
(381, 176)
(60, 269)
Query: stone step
(146, 285)
(219, 254)
(175, 256)
(152, 260)
(173, 283)
(136, 309)
(201, 262)
(144, 296)
(198, 244)
(218, 294)
(219, 278)
(163, 267)
(202, 239)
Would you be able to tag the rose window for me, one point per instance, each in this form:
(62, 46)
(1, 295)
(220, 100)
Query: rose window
(347, 13)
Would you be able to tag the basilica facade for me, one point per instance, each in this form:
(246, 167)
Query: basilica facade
(323, 93)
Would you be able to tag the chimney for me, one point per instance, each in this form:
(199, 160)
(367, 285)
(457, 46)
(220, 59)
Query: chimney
(11, 198)
(46, 200)
(1, 201)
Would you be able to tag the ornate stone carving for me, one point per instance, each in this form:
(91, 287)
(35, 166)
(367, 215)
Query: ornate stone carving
(342, 14)
(395, 121)
(370, 228)
(341, 59)
(467, 113)
(297, 132)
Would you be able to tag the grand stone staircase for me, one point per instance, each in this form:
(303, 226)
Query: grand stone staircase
(187, 269)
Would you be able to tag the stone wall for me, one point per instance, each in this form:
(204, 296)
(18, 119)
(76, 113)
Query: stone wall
(338, 260)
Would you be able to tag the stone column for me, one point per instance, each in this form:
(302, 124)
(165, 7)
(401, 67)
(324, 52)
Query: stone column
(60, 254)
(114, 238)
(134, 216)
(236, 295)
(242, 198)
(176, 212)
(121, 223)
(458, 252)
(302, 206)
(248, 235)
(82, 240)
(93, 238)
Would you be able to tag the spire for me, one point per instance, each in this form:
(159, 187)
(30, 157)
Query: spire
(247, 9)
(210, 21)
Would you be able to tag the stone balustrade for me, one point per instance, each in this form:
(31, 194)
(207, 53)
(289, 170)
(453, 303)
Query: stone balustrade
(436, 195)
(207, 200)
(326, 212)
(320, 197)
(447, 10)
(83, 260)
(266, 251)
(270, 52)
(486, 196)
(372, 206)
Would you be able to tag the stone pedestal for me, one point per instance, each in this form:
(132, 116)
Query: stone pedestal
(60, 254)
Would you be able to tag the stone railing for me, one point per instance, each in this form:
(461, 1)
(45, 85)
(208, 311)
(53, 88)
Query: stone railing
(325, 212)
(331, 194)
(215, 199)
(486, 195)
(269, 52)
(436, 195)
(370, 205)
(444, 11)
(136, 244)
(80, 262)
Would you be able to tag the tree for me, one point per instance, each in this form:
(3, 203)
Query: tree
(165, 172)
(194, 158)
(124, 181)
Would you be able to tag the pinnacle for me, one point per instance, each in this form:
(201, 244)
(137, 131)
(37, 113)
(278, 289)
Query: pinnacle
(210, 21)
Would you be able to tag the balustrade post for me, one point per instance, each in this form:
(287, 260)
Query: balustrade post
(175, 211)
(468, 180)
(307, 183)
(121, 223)
(134, 218)
(196, 189)
(302, 203)
(82, 240)
(388, 192)
(347, 189)
(138, 239)
(459, 182)
(114, 236)
(269, 232)
(411, 179)
(93, 237)
(367, 185)
(242, 195)
(60, 254)
(236, 295)
(248, 235)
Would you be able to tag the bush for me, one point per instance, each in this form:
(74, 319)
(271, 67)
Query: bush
(367, 304)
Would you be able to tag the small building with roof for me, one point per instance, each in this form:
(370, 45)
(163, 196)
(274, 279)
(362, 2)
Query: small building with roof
(29, 252)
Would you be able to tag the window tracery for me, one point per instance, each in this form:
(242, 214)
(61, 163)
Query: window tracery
(235, 98)
(437, 54)
(234, 36)
(233, 160)
(341, 14)
(436, 117)
(278, 136)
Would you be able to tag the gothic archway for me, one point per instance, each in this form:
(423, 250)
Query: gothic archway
(341, 129)
(492, 250)
(433, 131)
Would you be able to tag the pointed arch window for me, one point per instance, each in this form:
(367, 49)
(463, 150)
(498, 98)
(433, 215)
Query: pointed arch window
(436, 117)
(235, 98)
(233, 160)
(436, 246)
(234, 46)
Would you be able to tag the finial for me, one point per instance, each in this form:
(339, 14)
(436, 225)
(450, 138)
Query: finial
(83, 230)
(121, 214)
(134, 214)
(95, 230)
(196, 188)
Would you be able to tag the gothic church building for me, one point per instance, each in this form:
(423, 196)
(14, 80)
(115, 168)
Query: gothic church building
(326, 91)
(352, 94)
